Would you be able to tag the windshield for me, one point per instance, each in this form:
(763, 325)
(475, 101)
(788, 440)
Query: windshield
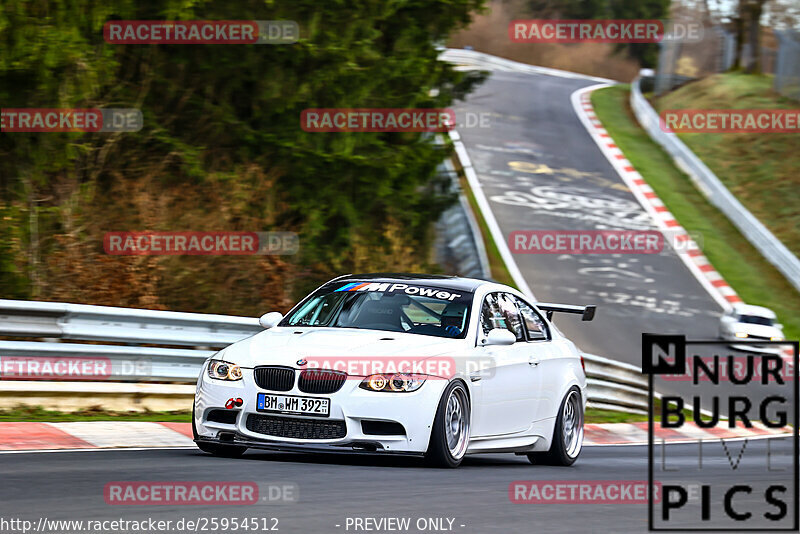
(408, 308)
(755, 319)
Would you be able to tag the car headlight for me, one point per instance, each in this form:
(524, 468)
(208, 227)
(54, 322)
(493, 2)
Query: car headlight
(396, 383)
(741, 335)
(776, 338)
(224, 370)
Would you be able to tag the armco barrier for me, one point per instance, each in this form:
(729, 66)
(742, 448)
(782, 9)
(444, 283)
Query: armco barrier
(136, 371)
(107, 362)
(474, 59)
(707, 182)
(614, 385)
(123, 325)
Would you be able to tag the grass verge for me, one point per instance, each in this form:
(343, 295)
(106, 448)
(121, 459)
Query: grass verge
(39, 414)
(761, 169)
(753, 277)
(596, 416)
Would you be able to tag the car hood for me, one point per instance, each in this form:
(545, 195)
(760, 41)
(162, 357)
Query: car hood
(287, 345)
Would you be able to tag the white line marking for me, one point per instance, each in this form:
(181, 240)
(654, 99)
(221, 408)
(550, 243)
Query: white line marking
(488, 216)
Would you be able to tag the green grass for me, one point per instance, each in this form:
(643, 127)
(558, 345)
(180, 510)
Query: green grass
(39, 414)
(595, 416)
(761, 169)
(754, 279)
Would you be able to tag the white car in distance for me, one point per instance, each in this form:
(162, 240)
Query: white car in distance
(745, 322)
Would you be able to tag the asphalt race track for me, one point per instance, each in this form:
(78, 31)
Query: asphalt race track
(69, 485)
(540, 170)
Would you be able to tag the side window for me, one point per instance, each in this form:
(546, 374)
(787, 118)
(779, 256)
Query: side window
(491, 316)
(500, 311)
(537, 329)
(512, 315)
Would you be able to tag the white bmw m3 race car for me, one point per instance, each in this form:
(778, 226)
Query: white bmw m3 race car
(434, 366)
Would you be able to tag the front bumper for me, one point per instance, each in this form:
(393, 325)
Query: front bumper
(353, 447)
(755, 346)
(414, 411)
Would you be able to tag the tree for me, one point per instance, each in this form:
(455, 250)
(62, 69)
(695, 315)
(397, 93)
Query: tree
(222, 136)
(646, 54)
(747, 27)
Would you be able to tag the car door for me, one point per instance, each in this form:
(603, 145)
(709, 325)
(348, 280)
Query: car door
(544, 357)
(506, 380)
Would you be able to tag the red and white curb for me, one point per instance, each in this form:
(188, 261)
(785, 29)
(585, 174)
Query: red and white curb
(94, 435)
(636, 433)
(88, 435)
(688, 251)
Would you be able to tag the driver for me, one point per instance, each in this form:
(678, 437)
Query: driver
(385, 311)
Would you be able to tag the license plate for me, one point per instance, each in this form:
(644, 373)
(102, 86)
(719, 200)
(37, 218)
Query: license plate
(290, 404)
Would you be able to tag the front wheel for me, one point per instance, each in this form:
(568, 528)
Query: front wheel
(451, 427)
(567, 435)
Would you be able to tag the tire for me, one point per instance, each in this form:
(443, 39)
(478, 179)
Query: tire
(448, 443)
(566, 446)
(224, 451)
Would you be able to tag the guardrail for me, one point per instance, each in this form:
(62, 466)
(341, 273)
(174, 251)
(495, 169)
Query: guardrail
(712, 188)
(472, 58)
(121, 325)
(612, 385)
(615, 385)
(101, 362)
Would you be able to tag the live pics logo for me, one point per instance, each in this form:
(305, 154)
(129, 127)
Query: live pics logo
(744, 479)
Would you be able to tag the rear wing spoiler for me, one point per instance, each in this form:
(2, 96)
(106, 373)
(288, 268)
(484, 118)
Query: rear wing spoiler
(586, 312)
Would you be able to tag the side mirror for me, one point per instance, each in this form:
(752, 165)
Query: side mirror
(779, 326)
(500, 336)
(271, 319)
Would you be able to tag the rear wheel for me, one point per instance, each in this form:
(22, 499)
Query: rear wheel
(567, 435)
(225, 451)
(451, 427)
